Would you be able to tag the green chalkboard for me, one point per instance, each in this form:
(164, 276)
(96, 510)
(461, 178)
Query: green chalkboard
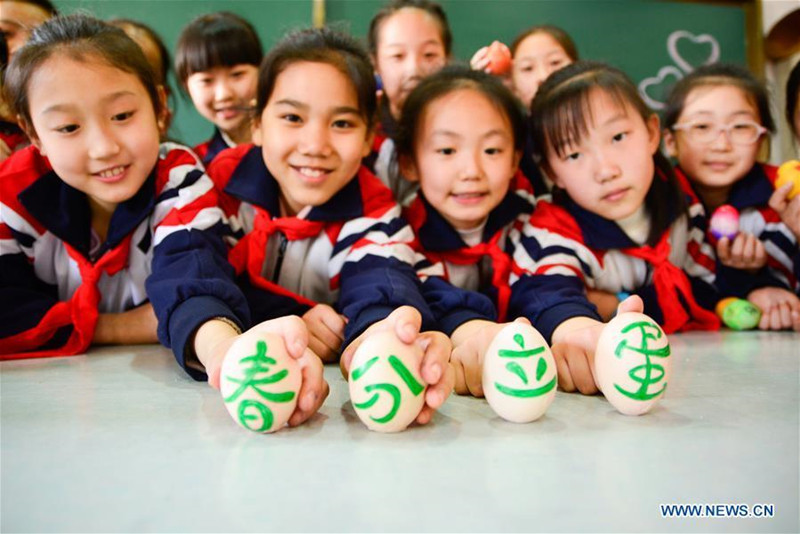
(653, 41)
(272, 18)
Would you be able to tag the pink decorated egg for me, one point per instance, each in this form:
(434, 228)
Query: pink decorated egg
(725, 222)
(259, 382)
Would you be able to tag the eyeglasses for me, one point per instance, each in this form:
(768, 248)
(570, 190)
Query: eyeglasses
(738, 133)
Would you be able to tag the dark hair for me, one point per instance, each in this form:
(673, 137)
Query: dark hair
(718, 74)
(431, 8)
(140, 27)
(45, 5)
(792, 92)
(447, 80)
(81, 38)
(560, 112)
(216, 40)
(321, 45)
(559, 35)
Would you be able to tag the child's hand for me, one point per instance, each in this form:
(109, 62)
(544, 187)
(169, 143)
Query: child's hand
(574, 345)
(606, 302)
(135, 326)
(471, 340)
(780, 308)
(480, 59)
(435, 369)
(745, 252)
(325, 331)
(789, 210)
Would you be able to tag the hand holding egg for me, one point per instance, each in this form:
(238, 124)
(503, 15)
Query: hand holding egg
(725, 222)
(260, 382)
(386, 386)
(789, 172)
(499, 59)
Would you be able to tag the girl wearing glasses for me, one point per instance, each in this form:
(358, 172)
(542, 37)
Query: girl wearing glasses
(715, 122)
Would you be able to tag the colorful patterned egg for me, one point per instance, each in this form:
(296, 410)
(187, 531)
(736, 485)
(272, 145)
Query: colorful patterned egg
(632, 363)
(386, 387)
(738, 314)
(499, 58)
(789, 172)
(259, 382)
(519, 374)
(725, 222)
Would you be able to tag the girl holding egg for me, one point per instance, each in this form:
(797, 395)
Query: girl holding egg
(714, 125)
(618, 224)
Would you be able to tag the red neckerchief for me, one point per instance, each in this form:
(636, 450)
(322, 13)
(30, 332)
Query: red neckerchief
(671, 283)
(501, 266)
(249, 253)
(80, 310)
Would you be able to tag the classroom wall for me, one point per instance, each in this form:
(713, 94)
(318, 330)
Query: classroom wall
(655, 42)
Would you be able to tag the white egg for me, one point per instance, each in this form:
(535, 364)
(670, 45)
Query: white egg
(386, 387)
(632, 363)
(259, 382)
(519, 374)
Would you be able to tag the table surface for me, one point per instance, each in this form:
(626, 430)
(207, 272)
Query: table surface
(122, 440)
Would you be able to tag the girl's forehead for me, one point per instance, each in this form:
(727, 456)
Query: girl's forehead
(408, 24)
(714, 97)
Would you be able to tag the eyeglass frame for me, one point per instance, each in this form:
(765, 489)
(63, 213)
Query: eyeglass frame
(685, 126)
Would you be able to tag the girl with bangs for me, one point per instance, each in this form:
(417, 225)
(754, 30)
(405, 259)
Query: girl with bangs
(619, 225)
(216, 62)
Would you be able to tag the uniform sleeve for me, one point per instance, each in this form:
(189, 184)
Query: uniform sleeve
(451, 306)
(191, 281)
(549, 286)
(24, 298)
(377, 273)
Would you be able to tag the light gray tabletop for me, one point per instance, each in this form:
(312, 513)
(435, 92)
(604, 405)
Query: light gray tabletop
(122, 440)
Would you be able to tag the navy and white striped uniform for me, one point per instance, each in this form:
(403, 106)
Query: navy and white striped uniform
(750, 196)
(563, 251)
(484, 268)
(168, 236)
(359, 257)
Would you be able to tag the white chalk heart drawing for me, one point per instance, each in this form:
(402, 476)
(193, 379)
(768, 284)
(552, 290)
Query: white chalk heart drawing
(672, 48)
(658, 81)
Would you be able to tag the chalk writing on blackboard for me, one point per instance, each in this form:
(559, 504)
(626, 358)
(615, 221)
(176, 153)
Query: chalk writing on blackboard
(687, 51)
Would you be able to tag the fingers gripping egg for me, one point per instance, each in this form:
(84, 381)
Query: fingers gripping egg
(259, 382)
(632, 363)
(519, 374)
(789, 172)
(725, 222)
(386, 388)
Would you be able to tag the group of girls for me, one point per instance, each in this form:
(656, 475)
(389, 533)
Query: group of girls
(289, 220)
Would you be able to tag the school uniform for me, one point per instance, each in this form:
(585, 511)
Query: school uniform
(211, 148)
(564, 250)
(483, 268)
(163, 244)
(352, 252)
(750, 196)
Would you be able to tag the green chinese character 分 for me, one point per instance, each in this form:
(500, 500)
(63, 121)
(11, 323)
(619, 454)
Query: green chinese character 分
(394, 392)
(515, 368)
(649, 373)
(252, 410)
